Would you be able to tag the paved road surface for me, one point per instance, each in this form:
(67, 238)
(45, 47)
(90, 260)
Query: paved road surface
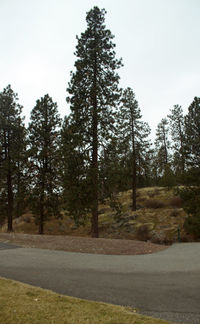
(165, 284)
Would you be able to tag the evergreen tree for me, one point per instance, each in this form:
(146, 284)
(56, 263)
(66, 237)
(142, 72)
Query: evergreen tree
(44, 159)
(113, 170)
(112, 175)
(93, 92)
(190, 194)
(134, 137)
(75, 168)
(12, 145)
(191, 204)
(192, 134)
(21, 175)
(162, 146)
(154, 165)
(177, 130)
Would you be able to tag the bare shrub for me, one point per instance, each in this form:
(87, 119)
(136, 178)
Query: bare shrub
(151, 194)
(176, 202)
(142, 233)
(141, 199)
(174, 213)
(138, 194)
(185, 237)
(160, 237)
(153, 203)
(26, 218)
(116, 206)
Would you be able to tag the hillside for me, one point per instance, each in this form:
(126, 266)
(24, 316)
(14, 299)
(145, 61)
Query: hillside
(157, 218)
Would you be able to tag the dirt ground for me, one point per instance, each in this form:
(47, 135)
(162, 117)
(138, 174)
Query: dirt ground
(82, 244)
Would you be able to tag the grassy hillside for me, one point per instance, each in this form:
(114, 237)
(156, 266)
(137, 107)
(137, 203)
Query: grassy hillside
(158, 216)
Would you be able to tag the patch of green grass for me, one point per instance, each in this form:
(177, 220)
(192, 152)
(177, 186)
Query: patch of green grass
(24, 304)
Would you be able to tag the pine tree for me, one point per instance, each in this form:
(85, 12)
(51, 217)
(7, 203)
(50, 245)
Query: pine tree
(190, 194)
(192, 134)
(134, 137)
(111, 171)
(162, 145)
(154, 165)
(21, 174)
(93, 92)
(177, 130)
(75, 169)
(11, 147)
(44, 159)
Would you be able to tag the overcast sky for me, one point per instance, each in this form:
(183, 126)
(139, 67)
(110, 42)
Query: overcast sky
(158, 40)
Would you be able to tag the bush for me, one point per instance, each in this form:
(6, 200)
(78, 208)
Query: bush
(117, 207)
(174, 213)
(137, 194)
(192, 225)
(153, 203)
(176, 202)
(191, 199)
(26, 218)
(142, 233)
(161, 238)
(153, 193)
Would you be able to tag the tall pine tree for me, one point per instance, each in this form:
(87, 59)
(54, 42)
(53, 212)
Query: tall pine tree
(44, 159)
(177, 130)
(190, 194)
(93, 93)
(162, 144)
(192, 134)
(133, 135)
(12, 143)
(75, 168)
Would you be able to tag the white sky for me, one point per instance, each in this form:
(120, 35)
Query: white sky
(158, 40)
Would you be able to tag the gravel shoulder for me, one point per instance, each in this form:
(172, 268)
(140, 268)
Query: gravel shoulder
(82, 244)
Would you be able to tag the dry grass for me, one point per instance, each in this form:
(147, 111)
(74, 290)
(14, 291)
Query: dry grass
(39, 306)
(158, 209)
(154, 204)
(176, 202)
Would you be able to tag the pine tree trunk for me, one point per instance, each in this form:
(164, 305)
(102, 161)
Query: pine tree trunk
(94, 220)
(41, 220)
(133, 167)
(165, 149)
(182, 151)
(134, 185)
(10, 203)
(17, 207)
(9, 192)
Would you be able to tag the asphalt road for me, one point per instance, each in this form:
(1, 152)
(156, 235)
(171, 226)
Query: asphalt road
(165, 284)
